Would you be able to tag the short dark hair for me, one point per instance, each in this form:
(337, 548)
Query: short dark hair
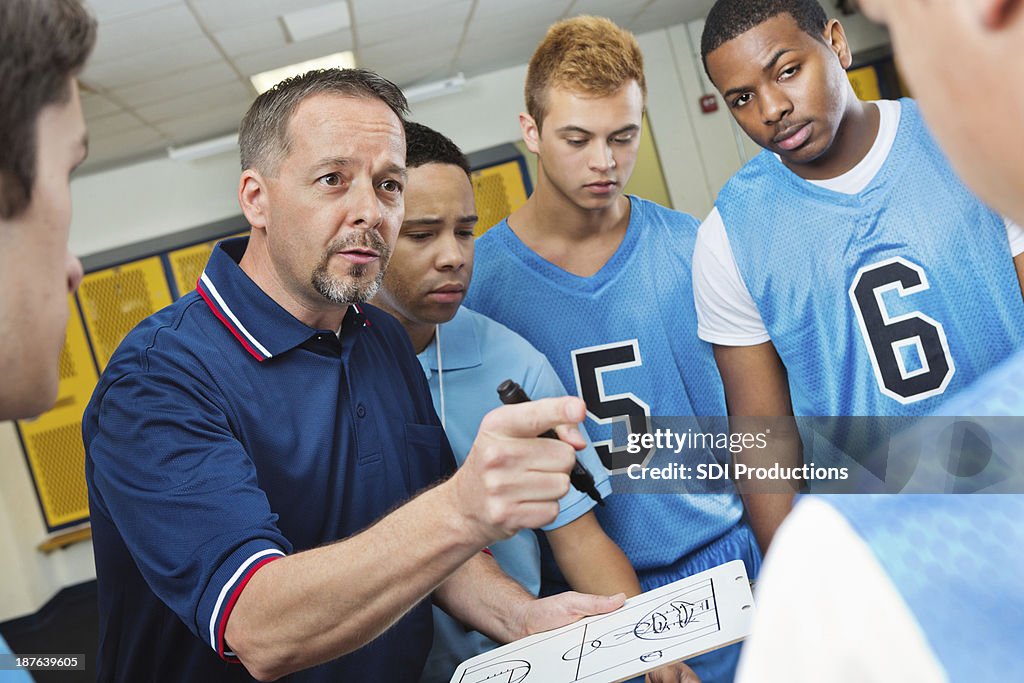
(730, 18)
(263, 137)
(43, 45)
(424, 145)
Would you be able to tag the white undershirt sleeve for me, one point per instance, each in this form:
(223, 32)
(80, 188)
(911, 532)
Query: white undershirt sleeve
(1015, 234)
(726, 313)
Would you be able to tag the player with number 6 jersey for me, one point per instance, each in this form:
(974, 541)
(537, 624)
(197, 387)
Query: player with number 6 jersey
(845, 270)
(881, 301)
(849, 245)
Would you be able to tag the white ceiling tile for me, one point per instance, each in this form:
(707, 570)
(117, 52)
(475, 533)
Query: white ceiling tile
(105, 126)
(687, 11)
(671, 12)
(124, 145)
(646, 23)
(484, 65)
(509, 48)
(107, 10)
(416, 48)
(294, 52)
(444, 21)
(97, 105)
(479, 57)
(545, 12)
(175, 85)
(127, 37)
(499, 26)
(150, 64)
(367, 11)
(218, 15)
(412, 73)
(198, 101)
(316, 21)
(616, 10)
(204, 125)
(243, 40)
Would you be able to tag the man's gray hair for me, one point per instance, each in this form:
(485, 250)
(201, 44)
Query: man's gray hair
(263, 137)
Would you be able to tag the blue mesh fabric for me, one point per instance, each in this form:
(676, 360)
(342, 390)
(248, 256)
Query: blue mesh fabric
(955, 560)
(800, 247)
(644, 293)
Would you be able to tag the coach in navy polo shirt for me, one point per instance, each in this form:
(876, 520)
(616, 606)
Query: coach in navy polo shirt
(239, 432)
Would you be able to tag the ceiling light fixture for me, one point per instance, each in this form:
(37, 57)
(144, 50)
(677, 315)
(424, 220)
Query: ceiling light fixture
(268, 79)
(206, 148)
(427, 91)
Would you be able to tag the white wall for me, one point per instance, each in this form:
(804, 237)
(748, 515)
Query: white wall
(698, 153)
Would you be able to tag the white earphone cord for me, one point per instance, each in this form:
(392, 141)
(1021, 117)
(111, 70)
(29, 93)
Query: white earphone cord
(440, 371)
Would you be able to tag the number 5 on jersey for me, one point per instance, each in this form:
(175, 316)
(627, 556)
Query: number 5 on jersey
(589, 366)
(888, 337)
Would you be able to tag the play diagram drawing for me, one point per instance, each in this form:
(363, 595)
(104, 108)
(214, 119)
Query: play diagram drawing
(677, 621)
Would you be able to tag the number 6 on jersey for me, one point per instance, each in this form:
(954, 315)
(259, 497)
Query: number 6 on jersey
(887, 338)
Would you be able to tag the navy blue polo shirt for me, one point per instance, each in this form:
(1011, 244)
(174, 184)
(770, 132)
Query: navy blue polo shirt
(225, 434)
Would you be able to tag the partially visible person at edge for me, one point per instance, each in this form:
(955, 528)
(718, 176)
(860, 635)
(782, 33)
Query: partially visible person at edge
(43, 46)
(876, 616)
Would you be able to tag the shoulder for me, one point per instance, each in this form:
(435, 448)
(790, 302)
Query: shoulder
(763, 165)
(492, 237)
(712, 239)
(494, 338)
(176, 331)
(649, 213)
(386, 331)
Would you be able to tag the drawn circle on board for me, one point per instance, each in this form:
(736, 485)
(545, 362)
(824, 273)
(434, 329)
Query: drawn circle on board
(508, 671)
(581, 651)
(651, 656)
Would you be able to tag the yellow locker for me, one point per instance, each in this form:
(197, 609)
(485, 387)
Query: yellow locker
(115, 300)
(53, 441)
(187, 264)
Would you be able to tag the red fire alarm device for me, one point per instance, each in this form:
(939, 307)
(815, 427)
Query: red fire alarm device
(708, 103)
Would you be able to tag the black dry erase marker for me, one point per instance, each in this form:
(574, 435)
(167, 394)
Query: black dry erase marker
(511, 393)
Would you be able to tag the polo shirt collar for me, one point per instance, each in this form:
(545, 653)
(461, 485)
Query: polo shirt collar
(460, 346)
(260, 324)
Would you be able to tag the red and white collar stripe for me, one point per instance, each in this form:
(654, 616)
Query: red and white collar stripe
(213, 299)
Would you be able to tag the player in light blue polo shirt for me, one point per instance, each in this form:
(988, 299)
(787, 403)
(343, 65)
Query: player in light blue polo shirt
(466, 356)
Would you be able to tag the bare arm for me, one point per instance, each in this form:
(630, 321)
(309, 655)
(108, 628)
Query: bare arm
(590, 561)
(317, 605)
(503, 610)
(756, 388)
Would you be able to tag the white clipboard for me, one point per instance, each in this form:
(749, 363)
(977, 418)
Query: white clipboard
(677, 621)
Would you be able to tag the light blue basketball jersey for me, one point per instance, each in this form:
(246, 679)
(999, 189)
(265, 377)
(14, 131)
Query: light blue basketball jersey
(955, 560)
(885, 302)
(625, 339)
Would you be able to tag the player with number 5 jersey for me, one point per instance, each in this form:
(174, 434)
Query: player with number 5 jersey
(600, 283)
